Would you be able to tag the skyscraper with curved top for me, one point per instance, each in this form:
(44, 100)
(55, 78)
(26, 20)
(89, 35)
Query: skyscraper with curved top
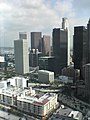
(65, 26)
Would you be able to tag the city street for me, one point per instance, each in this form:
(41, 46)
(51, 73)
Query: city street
(7, 116)
(74, 103)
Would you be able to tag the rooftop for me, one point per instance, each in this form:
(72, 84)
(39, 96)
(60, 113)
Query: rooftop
(46, 57)
(26, 94)
(65, 113)
(45, 71)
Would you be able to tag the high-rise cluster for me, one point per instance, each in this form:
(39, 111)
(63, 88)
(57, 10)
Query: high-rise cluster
(40, 46)
(81, 53)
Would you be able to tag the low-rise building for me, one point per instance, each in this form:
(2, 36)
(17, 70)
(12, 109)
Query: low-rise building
(26, 100)
(45, 76)
(65, 79)
(71, 72)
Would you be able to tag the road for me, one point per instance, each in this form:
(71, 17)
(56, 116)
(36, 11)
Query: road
(74, 103)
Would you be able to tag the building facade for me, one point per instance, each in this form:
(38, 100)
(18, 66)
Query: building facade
(61, 46)
(22, 35)
(26, 100)
(46, 49)
(88, 34)
(46, 63)
(21, 56)
(36, 40)
(45, 76)
(65, 26)
(34, 57)
(80, 48)
(74, 74)
(87, 79)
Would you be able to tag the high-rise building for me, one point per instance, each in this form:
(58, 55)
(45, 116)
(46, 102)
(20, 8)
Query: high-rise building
(46, 63)
(80, 47)
(88, 34)
(65, 26)
(34, 57)
(61, 46)
(36, 40)
(21, 56)
(46, 50)
(87, 79)
(22, 35)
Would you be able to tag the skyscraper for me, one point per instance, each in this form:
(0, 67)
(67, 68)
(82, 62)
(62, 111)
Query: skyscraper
(34, 57)
(60, 46)
(21, 56)
(88, 34)
(36, 40)
(80, 47)
(22, 35)
(46, 50)
(87, 79)
(65, 26)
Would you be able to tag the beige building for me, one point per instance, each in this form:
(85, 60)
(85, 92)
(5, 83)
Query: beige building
(27, 100)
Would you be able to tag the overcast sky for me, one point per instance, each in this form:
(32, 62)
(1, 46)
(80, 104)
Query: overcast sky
(39, 15)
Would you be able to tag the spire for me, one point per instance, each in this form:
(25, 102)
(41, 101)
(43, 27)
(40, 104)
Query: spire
(65, 23)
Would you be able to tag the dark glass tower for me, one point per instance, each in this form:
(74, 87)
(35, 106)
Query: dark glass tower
(80, 47)
(60, 48)
(36, 40)
(88, 33)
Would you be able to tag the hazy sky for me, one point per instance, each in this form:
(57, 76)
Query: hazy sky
(39, 15)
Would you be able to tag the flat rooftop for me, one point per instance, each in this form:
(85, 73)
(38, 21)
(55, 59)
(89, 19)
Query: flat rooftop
(45, 71)
(27, 95)
(46, 57)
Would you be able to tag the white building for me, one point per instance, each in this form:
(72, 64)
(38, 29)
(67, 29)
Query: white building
(27, 100)
(19, 82)
(21, 56)
(65, 26)
(2, 59)
(45, 76)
